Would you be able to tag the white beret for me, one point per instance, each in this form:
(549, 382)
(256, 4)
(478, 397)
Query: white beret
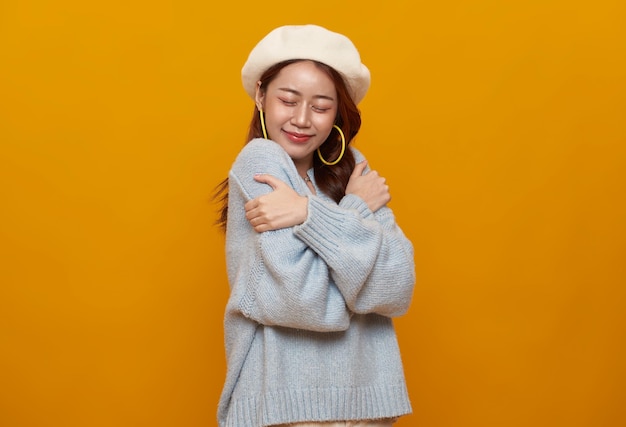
(307, 42)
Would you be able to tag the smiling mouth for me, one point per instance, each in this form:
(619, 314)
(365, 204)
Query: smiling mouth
(297, 137)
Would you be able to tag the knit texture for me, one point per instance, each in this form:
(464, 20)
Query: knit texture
(309, 334)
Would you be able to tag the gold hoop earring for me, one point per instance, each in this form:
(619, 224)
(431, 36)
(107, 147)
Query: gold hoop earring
(343, 149)
(263, 124)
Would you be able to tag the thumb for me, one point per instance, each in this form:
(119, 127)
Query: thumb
(359, 168)
(269, 180)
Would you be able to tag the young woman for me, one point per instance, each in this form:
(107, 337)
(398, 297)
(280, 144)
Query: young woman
(317, 265)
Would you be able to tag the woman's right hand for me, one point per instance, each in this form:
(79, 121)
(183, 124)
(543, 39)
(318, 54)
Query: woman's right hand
(370, 187)
(281, 208)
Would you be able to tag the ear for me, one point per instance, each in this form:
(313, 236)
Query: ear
(259, 96)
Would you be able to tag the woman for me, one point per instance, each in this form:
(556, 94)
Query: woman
(316, 264)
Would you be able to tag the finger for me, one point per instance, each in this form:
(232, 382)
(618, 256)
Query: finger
(269, 180)
(255, 222)
(251, 204)
(253, 208)
(251, 214)
(258, 224)
(359, 168)
(260, 228)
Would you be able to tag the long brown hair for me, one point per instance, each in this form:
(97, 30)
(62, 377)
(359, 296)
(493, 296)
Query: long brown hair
(332, 180)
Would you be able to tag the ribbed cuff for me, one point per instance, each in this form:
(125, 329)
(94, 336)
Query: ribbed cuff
(350, 201)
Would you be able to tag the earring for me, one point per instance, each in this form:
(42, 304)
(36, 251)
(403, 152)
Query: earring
(263, 124)
(343, 149)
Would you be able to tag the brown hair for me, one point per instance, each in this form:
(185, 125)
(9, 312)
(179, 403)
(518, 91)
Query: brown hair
(332, 180)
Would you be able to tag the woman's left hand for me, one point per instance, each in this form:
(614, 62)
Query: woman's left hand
(281, 208)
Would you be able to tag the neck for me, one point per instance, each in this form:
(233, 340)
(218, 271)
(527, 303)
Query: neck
(303, 167)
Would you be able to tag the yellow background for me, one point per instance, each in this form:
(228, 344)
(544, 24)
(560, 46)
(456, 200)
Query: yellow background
(500, 127)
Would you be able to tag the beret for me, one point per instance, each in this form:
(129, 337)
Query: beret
(307, 42)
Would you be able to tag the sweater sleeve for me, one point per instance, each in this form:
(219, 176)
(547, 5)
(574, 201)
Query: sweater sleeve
(371, 262)
(369, 257)
(276, 278)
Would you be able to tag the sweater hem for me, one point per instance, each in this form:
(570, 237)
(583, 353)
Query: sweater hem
(318, 405)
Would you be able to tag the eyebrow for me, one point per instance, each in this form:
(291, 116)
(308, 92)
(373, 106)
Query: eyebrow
(295, 92)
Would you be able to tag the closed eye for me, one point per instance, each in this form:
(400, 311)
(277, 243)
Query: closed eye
(320, 109)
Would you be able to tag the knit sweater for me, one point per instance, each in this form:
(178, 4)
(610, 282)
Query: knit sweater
(308, 325)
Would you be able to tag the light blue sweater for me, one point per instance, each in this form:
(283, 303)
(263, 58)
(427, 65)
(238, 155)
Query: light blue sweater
(308, 328)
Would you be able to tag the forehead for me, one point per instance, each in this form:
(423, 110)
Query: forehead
(305, 77)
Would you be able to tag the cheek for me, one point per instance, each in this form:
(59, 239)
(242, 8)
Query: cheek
(275, 115)
(325, 124)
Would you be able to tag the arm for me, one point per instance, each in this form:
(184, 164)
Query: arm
(276, 278)
(283, 207)
(370, 258)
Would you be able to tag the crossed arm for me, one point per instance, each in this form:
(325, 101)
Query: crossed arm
(303, 261)
(283, 207)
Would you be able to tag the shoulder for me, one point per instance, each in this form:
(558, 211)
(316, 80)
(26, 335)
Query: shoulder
(263, 156)
(262, 153)
(259, 149)
(358, 156)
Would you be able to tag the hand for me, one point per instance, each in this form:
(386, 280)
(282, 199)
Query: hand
(370, 187)
(281, 208)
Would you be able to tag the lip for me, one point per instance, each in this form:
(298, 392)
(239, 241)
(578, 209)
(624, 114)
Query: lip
(298, 138)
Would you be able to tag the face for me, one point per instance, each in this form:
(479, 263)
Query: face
(300, 107)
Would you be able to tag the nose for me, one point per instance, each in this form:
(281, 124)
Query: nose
(301, 116)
